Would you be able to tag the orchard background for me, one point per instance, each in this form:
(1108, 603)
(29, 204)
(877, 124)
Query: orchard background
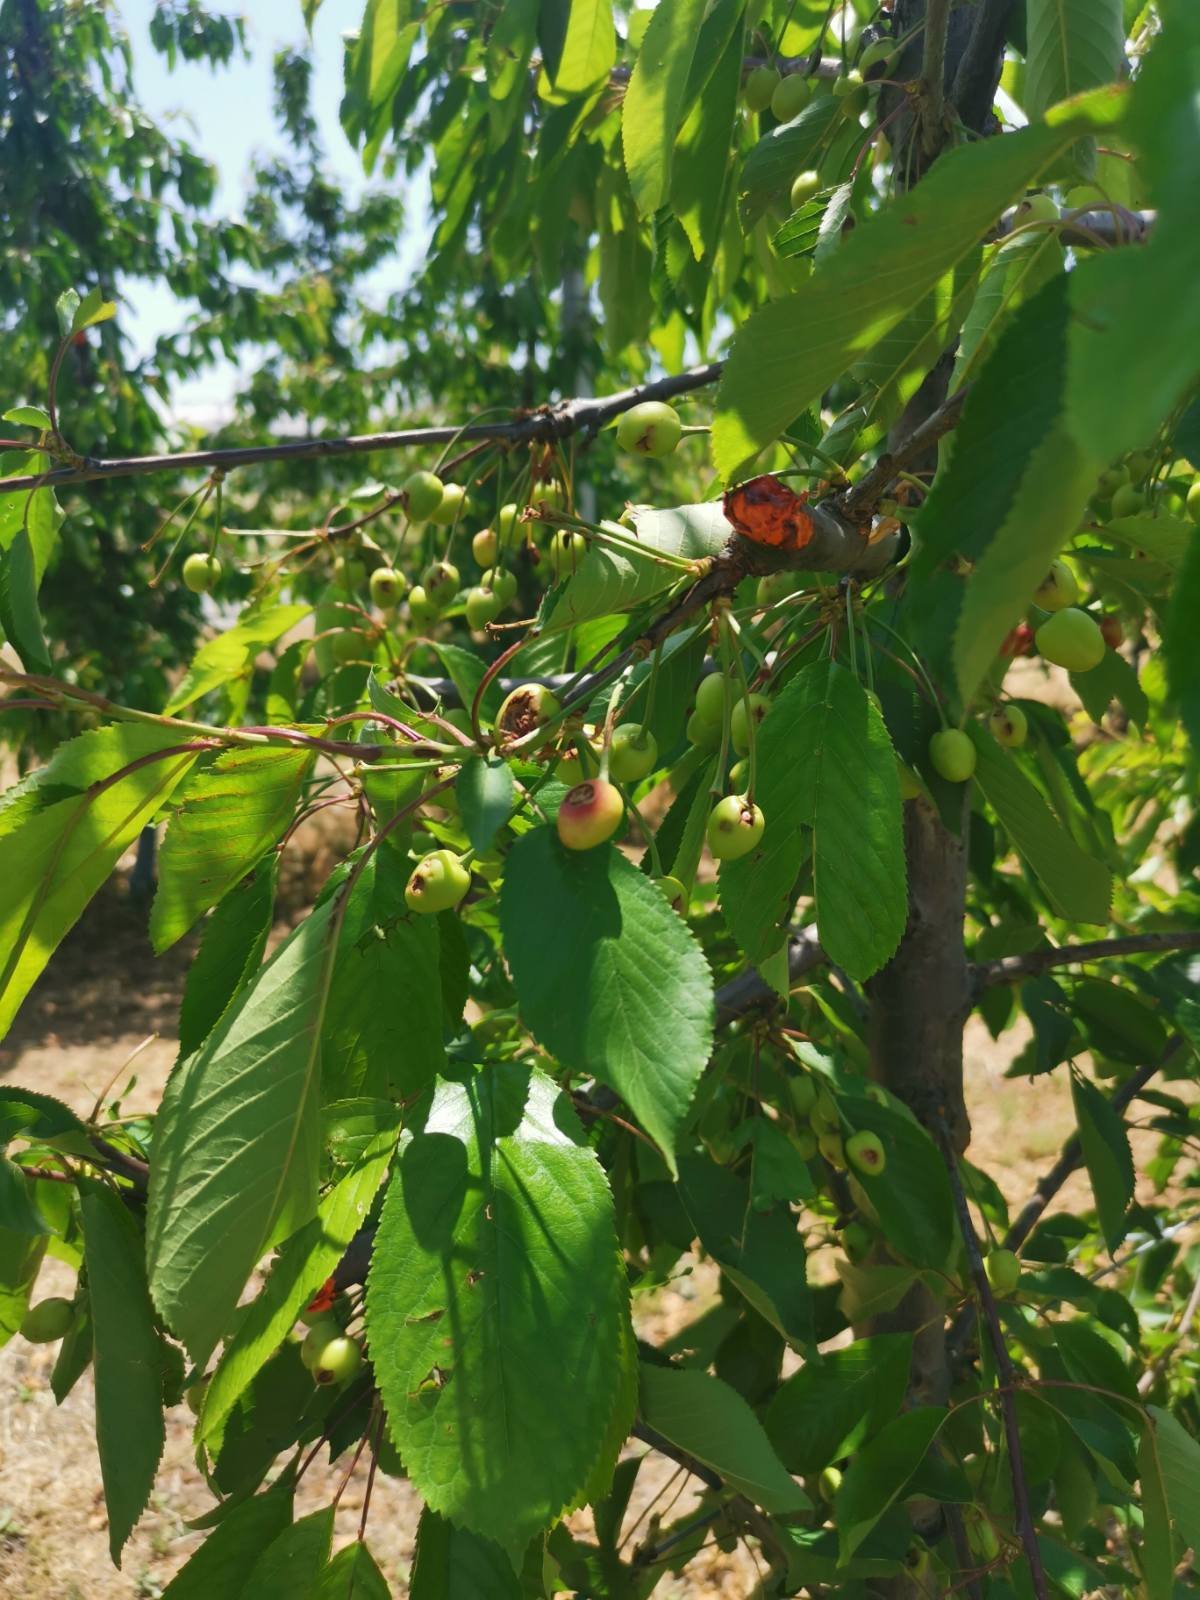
(640, 785)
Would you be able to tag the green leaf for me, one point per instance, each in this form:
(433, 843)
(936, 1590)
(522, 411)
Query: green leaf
(834, 1402)
(589, 47)
(290, 1567)
(1179, 638)
(496, 1293)
(1179, 1460)
(18, 1214)
(353, 1574)
(465, 670)
(1078, 886)
(1018, 268)
(1071, 45)
(656, 97)
(26, 1114)
(66, 306)
(760, 1252)
(303, 1264)
(54, 861)
(223, 1563)
(455, 1564)
(789, 352)
(93, 308)
(1165, 538)
(127, 1361)
(232, 653)
(382, 1029)
(877, 1475)
(699, 173)
(610, 580)
(235, 1142)
(609, 979)
(771, 166)
(1107, 1155)
(712, 1422)
(1113, 679)
(19, 615)
(825, 760)
(20, 1261)
(912, 1199)
(1156, 1556)
(485, 797)
(29, 417)
(228, 815)
(231, 947)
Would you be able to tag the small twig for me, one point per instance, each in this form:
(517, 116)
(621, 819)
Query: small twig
(1004, 1366)
(1014, 969)
(859, 502)
(933, 74)
(1150, 1377)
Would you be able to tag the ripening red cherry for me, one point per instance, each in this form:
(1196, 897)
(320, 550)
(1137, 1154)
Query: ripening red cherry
(387, 587)
(485, 547)
(1058, 589)
(1019, 642)
(423, 493)
(338, 1361)
(650, 429)
(865, 1152)
(1003, 1269)
(201, 573)
(1008, 725)
(952, 755)
(451, 506)
(524, 709)
(633, 752)
(48, 1321)
(439, 882)
(734, 827)
(1112, 630)
(1072, 640)
(590, 813)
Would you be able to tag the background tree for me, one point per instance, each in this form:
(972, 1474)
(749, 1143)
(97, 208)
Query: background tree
(721, 929)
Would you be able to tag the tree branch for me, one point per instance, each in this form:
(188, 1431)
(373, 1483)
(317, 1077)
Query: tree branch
(1108, 226)
(979, 69)
(586, 415)
(933, 75)
(748, 991)
(860, 501)
(1005, 1370)
(1014, 969)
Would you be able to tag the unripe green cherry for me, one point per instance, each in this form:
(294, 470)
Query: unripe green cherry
(338, 1361)
(315, 1340)
(710, 698)
(952, 755)
(1112, 478)
(804, 186)
(201, 573)
(734, 827)
(910, 784)
(509, 527)
(1193, 499)
(829, 1483)
(877, 51)
(502, 582)
(440, 582)
(550, 495)
(485, 547)
(1128, 501)
(803, 1092)
(851, 88)
(701, 733)
(791, 96)
(739, 776)
(804, 1141)
(865, 1152)
(348, 646)
(856, 1240)
(349, 573)
(1003, 1269)
(590, 813)
(776, 586)
(423, 493)
(1072, 640)
(194, 1395)
(420, 608)
(746, 712)
(633, 752)
(824, 1115)
(439, 882)
(1139, 463)
(387, 587)
(650, 429)
(48, 1321)
(1058, 589)
(483, 605)
(677, 895)
(451, 506)
(524, 709)
(759, 88)
(1008, 725)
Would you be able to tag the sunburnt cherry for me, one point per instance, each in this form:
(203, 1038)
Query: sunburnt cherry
(590, 813)
(440, 582)
(677, 895)
(524, 709)
(338, 1361)
(952, 755)
(1008, 725)
(1036, 208)
(632, 753)
(735, 826)
(423, 493)
(748, 711)
(387, 587)
(865, 1152)
(831, 1147)
(567, 550)
(650, 429)
(1058, 589)
(439, 882)
(1072, 640)
(201, 573)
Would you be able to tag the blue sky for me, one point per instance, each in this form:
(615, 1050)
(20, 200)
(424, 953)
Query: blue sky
(227, 117)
